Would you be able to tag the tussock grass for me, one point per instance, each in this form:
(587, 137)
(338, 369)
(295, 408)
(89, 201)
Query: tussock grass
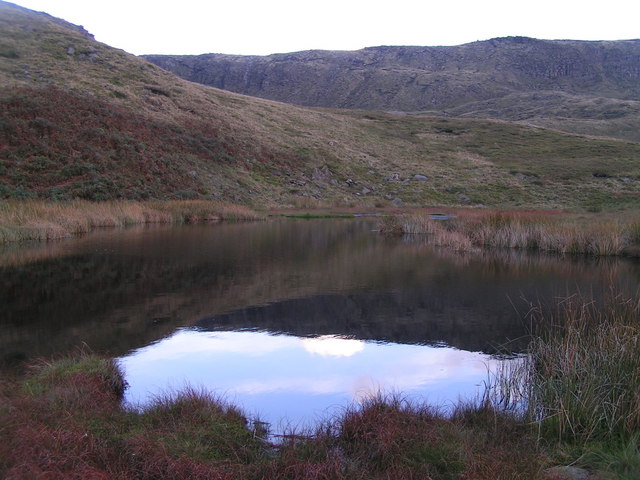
(579, 383)
(581, 378)
(522, 230)
(388, 436)
(46, 375)
(51, 431)
(621, 458)
(39, 220)
(199, 425)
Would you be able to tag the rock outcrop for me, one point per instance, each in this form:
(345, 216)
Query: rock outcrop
(422, 78)
(542, 82)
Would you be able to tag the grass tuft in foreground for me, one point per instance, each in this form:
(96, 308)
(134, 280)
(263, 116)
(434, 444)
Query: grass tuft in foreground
(579, 383)
(581, 379)
(64, 420)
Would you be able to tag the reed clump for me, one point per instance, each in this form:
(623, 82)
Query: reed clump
(521, 230)
(39, 220)
(580, 381)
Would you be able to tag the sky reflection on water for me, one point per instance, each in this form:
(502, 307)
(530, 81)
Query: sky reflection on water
(288, 380)
(349, 311)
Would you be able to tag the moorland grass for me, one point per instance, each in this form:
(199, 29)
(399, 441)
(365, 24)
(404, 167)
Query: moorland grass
(558, 234)
(581, 378)
(120, 127)
(314, 216)
(40, 220)
(579, 382)
(64, 420)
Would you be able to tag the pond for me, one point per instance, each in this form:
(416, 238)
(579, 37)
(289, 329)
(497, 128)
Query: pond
(291, 320)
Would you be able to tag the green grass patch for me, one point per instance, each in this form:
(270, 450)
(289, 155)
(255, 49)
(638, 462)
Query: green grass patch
(311, 216)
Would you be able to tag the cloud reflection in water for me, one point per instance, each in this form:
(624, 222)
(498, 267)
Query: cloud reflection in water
(287, 378)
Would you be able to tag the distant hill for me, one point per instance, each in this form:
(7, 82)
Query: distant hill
(80, 119)
(575, 86)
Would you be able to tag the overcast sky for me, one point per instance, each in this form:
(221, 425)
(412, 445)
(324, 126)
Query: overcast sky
(260, 27)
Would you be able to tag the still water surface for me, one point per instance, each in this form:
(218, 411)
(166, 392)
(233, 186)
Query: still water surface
(292, 320)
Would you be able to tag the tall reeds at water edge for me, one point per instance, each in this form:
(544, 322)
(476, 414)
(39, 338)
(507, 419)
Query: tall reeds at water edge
(38, 220)
(580, 379)
(532, 231)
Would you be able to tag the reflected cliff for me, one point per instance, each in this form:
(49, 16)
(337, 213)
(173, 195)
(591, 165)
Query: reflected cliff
(121, 290)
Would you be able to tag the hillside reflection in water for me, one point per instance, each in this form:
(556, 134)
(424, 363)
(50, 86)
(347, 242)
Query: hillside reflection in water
(177, 303)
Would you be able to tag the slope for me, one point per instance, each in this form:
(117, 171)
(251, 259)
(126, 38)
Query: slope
(577, 86)
(80, 119)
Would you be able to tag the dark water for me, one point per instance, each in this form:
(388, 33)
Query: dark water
(289, 319)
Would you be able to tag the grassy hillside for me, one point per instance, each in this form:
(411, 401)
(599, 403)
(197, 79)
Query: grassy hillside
(80, 119)
(574, 86)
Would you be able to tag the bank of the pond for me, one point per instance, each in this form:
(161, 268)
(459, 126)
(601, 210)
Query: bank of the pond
(579, 385)
(39, 220)
(64, 419)
(564, 234)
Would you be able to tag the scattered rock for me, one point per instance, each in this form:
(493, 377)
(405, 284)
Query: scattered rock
(85, 53)
(420, 178)
(463, 198)
(567, 473)
(193, 174)
(365, 191)
(393, 177)
(350, 182)
(625, 179)
(321, 175)
(396, 202)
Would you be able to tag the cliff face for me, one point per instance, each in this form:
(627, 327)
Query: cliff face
(422, 78)
(575, 86)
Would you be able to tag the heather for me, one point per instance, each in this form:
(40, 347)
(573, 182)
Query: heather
(63, 419)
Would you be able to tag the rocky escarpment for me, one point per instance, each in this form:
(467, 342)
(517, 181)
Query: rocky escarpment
(421, 78)
(513, 78)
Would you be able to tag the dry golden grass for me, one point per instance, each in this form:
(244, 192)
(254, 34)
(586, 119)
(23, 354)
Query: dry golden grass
(522, 230)
(38, 220)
